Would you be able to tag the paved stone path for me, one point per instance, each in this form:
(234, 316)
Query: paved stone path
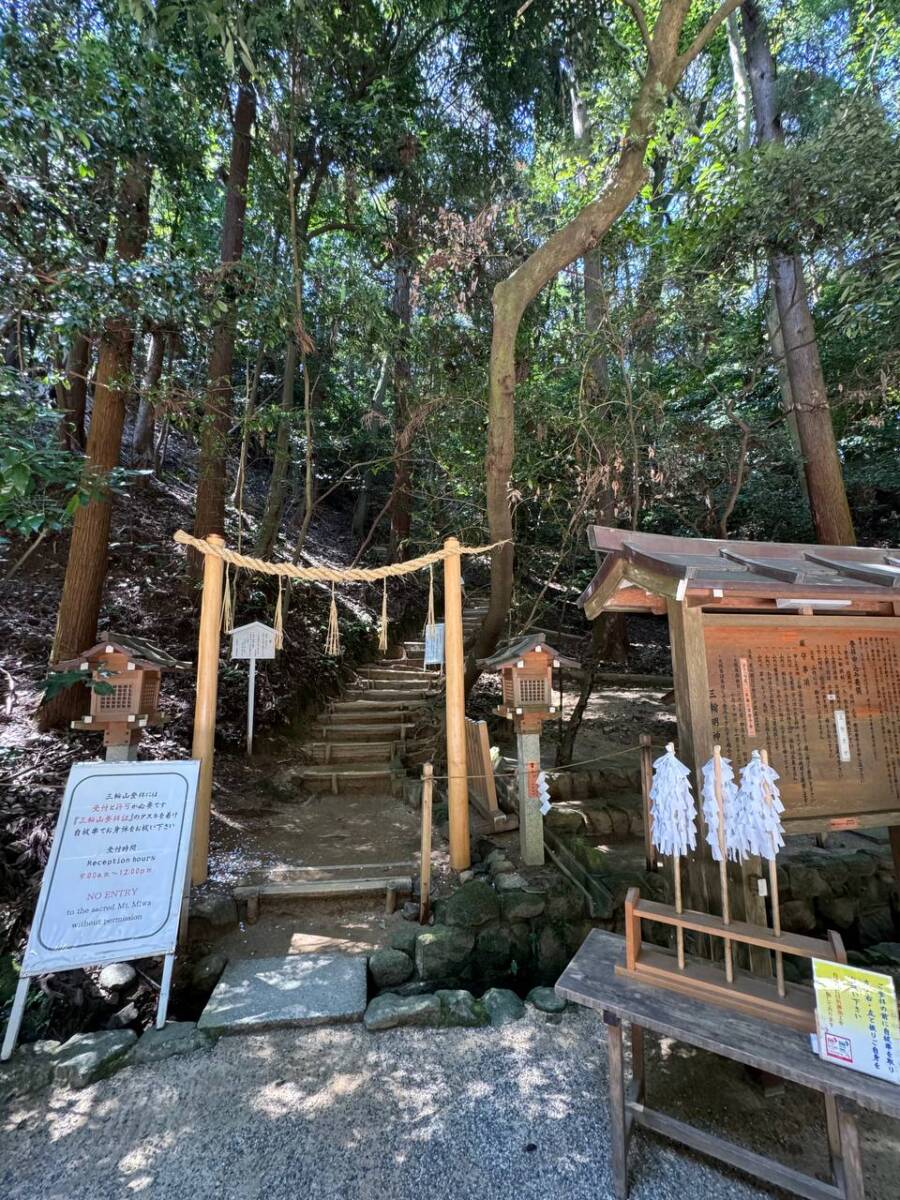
(335, 1113)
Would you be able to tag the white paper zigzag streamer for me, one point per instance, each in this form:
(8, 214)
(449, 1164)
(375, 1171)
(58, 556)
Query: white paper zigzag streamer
(760, 817)
(735, 837)
(672, 808)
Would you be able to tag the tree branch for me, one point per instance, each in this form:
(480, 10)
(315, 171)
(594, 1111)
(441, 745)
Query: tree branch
(638, 13)
(718, 18)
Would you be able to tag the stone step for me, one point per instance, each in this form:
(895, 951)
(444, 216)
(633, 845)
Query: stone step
(421, 684)
(258, 994)
(349, 752)
(348, 777)
(351, 731)
(380, 712)
(400, 674)
(387, 696)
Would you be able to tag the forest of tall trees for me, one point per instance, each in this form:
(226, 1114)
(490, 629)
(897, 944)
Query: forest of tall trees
(480, 267)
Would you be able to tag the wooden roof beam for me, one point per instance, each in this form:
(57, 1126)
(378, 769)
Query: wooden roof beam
(785, 572)
(880, 573)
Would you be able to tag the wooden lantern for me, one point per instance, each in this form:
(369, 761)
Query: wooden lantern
(526, 671)
(130, 671)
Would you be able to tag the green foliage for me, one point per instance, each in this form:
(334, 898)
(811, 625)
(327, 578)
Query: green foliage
(39, 480)
(438, 139)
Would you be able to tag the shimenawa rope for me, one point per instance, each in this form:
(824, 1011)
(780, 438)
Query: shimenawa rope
(326, 574)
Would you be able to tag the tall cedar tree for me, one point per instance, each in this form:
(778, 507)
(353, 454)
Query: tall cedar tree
(217, 409)
(809, 399)
(79, 606)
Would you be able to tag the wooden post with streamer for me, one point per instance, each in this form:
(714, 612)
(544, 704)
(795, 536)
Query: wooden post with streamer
(457, 783)
(773, 887)
(425, 846)
(205, 703)
(723, 860)
(646, 784)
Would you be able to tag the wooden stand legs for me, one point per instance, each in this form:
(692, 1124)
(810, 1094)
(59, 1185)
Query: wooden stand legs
(627, 1108)
(618, 1133)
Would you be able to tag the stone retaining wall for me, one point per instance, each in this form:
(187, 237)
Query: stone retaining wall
(498, 928)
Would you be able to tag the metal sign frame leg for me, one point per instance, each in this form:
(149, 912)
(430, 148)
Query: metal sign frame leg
(15, 1017)
(164, 989)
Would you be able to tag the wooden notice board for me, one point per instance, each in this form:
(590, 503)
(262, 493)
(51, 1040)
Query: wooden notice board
(822, 694)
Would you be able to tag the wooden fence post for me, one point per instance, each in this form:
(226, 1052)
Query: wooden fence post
(457, 783)
(425, 847)
(205, 704)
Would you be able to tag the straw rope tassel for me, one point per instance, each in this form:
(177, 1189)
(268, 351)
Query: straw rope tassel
(429, 620)
(228, 599)
(383, 623)
(333, 637)
(279, 620)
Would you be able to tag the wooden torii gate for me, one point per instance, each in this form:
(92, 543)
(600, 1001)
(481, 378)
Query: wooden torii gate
(215, 556)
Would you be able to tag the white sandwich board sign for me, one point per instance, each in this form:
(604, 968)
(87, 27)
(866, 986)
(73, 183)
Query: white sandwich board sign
(117, 874)
(252, 641)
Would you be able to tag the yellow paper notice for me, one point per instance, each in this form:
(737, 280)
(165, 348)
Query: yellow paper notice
(856, 1018)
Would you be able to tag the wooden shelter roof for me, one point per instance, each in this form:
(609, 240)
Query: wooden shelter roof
(516, 650)
(642, 570)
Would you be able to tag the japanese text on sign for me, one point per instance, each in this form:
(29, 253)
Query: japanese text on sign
(856, 1018)
(113, 885)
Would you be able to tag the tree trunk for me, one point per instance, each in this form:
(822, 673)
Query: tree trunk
(743, 101)
(599, 633)
(665, 66)
(364, 496)
(237, 495)
(86, 566)
(271, 518)
(74, 397)
(78, 362)
(821, 463)
(216, 421)
(596, 393)
(401, 306)
(776, 347)
(143, 441)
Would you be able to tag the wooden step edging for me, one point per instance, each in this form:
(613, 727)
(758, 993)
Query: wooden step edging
(249, 898)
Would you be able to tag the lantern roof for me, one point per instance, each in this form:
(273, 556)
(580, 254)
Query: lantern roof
(136, 650)
(535, 642)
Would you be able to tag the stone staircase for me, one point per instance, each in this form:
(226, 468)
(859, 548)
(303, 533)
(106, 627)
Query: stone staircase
(384, 723)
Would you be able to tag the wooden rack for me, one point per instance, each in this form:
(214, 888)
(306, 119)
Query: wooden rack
(753, 995)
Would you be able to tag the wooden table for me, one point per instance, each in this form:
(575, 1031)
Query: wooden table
(590, 980)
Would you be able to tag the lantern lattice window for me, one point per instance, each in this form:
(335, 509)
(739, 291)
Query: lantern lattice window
(116, 701)
(508, 695)
(149, 694)
(532, 691)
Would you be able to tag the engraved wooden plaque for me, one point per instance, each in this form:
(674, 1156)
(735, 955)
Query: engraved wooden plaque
(822, 694)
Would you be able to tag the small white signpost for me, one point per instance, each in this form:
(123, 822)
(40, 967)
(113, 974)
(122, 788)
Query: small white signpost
(117, 875)
(434, 645)
(252, 641)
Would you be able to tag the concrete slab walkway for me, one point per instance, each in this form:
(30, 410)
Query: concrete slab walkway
(338, 1114)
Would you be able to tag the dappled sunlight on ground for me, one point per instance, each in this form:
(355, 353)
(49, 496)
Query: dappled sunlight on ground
(338, 1113)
